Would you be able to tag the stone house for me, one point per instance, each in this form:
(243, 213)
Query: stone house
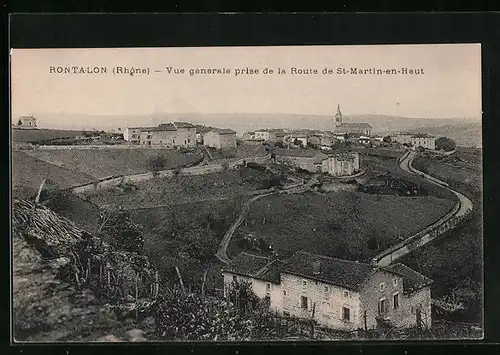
(338, 294)
(261, 272)
(341, 163)
(424, 141)
(248, 136)
(310, 160)
(220, 138)
(315, 161)
(26, 122)
(174, 134)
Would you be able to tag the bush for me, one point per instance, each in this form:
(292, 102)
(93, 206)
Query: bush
(446, 144)
(157, 162)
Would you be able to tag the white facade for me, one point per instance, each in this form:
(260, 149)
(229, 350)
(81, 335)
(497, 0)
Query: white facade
(424, 142)
(262, 135)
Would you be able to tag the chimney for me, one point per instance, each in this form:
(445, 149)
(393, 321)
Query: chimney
(316, 267)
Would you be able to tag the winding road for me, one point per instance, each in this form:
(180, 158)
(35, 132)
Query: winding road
(294, 188)
(462, 209)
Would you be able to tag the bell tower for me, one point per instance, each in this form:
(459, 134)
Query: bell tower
(338, 117)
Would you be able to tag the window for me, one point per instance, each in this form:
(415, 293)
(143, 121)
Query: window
(189, 140)
(268, 287)
(395, 282)
(382, 306)
(396, 300)
(235, 279)
(303, 302)
(412, 310)
(284, 292)
(149, 136)
(346, 294)
(346, 314)
(304, 282)
(326, 288)
(382, 286)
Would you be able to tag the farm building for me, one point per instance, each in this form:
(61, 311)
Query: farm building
(342, 128)
(248, 136)
(26, 122)
(272, 135)
(424, 141)
(341, 164)
(220, 138)
(310, 160)
(336, 164)
(174, 134)
(339, 294)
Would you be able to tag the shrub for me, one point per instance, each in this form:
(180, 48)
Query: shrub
(157, 162)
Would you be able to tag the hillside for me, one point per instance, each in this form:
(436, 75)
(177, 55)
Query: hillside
(466, 135)
(240, 122)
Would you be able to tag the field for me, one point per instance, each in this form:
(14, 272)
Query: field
(37, 135)
(455, 261)
(101, 163)
(172, 191)
(344, 224)
(29, 172)
(242, 151)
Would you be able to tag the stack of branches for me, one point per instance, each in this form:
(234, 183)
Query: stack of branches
(118, 277)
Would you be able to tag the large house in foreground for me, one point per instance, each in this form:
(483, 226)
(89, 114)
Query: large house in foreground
(339, 294)
(335, 163)
(173, 134)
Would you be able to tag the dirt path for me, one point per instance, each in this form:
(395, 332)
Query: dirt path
(429, 233)
(295, 188)
(222, 252)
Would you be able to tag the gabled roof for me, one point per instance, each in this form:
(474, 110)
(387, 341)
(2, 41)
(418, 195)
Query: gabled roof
(255, 266)
(422, 135)
(356, 125)
(224, 131)
(339, 272)
(167, 127)
(412, 280)
(183, 125)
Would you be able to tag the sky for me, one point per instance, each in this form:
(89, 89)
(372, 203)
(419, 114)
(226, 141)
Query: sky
(450, 85)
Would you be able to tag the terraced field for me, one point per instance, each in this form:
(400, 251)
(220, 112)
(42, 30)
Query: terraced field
(101, 163)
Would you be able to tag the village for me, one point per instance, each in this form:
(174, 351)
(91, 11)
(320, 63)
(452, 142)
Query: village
(341, 291)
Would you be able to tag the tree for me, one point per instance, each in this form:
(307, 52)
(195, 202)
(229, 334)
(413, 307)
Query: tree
(446, 144)
(121, 231)
(157, 162)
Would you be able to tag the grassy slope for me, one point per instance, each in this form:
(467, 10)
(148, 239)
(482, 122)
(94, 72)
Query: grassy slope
(456, 261)
(339, 224)
(106, 162)
(29, 172)
(23, 135)
(182, 189)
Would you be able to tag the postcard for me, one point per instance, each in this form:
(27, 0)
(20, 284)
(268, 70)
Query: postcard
(259, 193)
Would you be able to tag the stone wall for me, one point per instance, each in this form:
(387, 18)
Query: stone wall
(329, 301)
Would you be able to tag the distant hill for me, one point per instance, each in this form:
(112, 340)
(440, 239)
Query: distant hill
(240, 122)
(466, 135)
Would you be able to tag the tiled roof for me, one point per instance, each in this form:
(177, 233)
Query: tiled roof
(422, 135)
(343, 273)
(255, 266)
(224, 131)
(356, 125)
(184, 125)
(412, 280)
(166, 127)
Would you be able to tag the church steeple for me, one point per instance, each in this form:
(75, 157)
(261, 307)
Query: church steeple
(338, 117)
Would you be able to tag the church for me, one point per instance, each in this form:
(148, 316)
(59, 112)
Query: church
(355, 128)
